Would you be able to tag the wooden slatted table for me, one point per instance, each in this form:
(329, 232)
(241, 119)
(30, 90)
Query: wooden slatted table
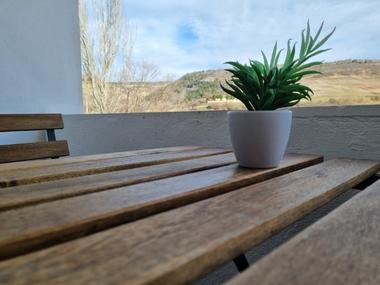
(341, 248)
(161, 216)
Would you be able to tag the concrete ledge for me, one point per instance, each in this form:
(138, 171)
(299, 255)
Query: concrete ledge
(338, 111)
(349, 131)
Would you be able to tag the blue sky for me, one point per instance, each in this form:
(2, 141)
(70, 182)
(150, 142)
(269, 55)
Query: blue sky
(184, 36)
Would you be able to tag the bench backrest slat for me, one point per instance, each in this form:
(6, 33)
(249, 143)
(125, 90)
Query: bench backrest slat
(29, 151)
(30, 122)
(36, 150)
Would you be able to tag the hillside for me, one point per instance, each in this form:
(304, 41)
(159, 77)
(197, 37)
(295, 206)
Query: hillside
(347, 82)
(342, 83)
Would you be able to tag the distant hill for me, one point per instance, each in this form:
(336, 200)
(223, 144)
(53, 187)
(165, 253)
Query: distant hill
(342, 83)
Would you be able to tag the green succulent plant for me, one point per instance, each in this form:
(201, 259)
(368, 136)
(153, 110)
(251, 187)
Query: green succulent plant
(268, 86)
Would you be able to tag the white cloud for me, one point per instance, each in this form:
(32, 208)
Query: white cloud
(238, 30)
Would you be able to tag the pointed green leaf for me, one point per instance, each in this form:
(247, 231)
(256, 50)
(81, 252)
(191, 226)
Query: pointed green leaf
(265, 60)
(324, 40)
(274, 55)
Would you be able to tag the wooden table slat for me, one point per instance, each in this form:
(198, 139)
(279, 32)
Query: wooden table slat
(341, 248)
(39, 225)
(74, 159)
(178, 246)
(18, 196)
(54, 172)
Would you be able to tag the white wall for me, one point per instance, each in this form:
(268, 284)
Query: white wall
(331, 131)
(40, 67)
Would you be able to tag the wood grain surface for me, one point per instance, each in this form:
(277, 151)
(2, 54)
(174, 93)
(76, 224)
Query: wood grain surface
(178, 246)
(340, 249)
(32, 227)
(37, 150)
(72, 159)
(18, 196)
(54, 172)
(29, 122)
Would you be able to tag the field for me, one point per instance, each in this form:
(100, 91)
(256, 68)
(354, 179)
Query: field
(350, 82)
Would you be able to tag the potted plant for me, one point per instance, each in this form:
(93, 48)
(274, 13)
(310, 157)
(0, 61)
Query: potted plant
(260, 134)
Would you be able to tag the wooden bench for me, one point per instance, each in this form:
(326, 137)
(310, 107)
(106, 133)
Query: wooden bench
(37, 150)
(166, 217)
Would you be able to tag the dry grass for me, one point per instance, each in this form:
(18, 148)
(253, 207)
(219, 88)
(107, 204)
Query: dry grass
(342, 83)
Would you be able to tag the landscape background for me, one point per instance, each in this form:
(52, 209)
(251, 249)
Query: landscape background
(348, 82)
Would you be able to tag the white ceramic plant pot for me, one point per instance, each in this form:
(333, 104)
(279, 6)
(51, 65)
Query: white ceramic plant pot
(259, 138)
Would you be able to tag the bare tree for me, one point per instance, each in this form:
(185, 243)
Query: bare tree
(135, 79)
(107, 64)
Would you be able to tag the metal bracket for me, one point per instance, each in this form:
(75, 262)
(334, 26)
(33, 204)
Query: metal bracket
(51, 138)
(241, 263)
(51, 135)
